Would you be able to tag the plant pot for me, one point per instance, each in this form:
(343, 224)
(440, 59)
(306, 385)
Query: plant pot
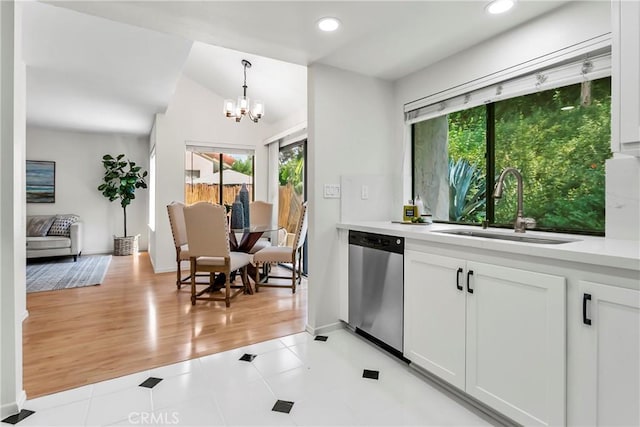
(127, 245)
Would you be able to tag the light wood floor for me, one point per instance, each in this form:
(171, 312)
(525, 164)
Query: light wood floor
(138, 320)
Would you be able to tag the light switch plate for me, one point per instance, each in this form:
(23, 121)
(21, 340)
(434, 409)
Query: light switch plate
(332, 191)
(364, 193)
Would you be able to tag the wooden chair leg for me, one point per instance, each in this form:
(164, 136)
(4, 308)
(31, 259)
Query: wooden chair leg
(300, 267)
(293, 274)
(246, 284)
(257, 279)
(179, 276)
(193, 281)
(227, 289)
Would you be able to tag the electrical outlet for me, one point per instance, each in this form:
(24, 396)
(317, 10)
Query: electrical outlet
(364, 194)
(331, 191)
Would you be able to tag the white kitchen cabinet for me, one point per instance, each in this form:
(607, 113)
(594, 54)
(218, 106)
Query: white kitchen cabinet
(434, 315)
(516, 343)
(497, 333)
(608, 356)
(625, 89)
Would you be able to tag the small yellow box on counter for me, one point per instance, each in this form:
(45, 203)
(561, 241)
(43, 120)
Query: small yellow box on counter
(409, 212)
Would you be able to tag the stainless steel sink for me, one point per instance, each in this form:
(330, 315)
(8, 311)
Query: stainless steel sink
(512, 237)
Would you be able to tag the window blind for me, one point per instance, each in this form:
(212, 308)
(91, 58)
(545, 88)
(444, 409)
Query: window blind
(226, 149)
(588, 67)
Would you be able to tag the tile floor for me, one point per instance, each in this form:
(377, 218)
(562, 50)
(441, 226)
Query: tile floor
(291, 381)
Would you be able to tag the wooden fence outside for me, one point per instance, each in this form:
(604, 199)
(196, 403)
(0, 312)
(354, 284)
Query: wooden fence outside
(290, 203)
(194, 193)
(290, 206)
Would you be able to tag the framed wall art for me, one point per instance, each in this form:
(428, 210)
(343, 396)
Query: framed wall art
(41, 181)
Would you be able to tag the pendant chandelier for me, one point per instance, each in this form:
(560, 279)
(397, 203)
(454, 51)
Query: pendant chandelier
(243, 106)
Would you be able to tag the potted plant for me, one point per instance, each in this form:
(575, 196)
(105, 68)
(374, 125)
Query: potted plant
(121, 180)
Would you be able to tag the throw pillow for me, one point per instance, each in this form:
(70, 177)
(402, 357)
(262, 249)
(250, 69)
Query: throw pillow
(39, 225)
(61, 225)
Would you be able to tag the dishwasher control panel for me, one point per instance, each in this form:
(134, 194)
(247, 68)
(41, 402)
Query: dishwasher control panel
(377, 241)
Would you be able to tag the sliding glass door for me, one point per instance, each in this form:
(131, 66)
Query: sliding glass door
(292, 178)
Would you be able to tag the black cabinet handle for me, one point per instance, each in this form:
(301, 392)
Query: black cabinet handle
(458, 285)
(469, 273)
(585, 319)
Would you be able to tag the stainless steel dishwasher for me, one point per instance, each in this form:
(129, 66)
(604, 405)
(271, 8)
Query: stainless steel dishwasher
(376, 288)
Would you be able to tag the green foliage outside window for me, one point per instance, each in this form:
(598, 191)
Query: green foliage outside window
(291, 169)
(244, 166)
(560, 153)
(467, 136)
(467, 165)
(467, 192)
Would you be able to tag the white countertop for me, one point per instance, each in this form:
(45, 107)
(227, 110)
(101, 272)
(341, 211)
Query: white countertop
(592, 250)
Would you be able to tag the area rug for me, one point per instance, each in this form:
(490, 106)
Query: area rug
(64, 273)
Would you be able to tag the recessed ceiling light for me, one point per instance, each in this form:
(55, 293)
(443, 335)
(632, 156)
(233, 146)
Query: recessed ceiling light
(567, 108)
(500, 6)
(328, 24)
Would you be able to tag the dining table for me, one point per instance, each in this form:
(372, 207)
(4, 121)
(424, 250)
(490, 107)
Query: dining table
(249, 236)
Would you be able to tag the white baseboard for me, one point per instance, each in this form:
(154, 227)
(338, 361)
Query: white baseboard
(13, 408)
(25, 314)
(324, 329)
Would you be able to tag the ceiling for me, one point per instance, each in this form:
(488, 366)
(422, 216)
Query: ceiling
(128, 64)
(91, 74)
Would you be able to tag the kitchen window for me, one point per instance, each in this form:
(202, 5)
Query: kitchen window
(557, 138)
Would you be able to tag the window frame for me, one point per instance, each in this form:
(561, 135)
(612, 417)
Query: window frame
(490, 153)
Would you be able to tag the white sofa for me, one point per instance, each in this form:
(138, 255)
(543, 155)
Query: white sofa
(66, 239)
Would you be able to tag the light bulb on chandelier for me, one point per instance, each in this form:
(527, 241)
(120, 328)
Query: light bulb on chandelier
(243, 107)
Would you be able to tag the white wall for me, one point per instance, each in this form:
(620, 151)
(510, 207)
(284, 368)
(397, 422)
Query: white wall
(12, 246)
(350, 132)
(195, 115)
(79, 171)
(564, 27)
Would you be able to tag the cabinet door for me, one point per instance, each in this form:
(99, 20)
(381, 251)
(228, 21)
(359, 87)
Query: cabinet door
(609, 355)
(516, 343)
(625, 105)
(434, 326)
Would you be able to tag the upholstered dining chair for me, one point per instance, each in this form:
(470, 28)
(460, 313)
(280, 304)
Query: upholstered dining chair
(260, 214)
(208, 238)
(282, 254)
(179, 232)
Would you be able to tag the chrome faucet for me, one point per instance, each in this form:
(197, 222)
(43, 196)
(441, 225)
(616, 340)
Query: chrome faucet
(521, 223)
